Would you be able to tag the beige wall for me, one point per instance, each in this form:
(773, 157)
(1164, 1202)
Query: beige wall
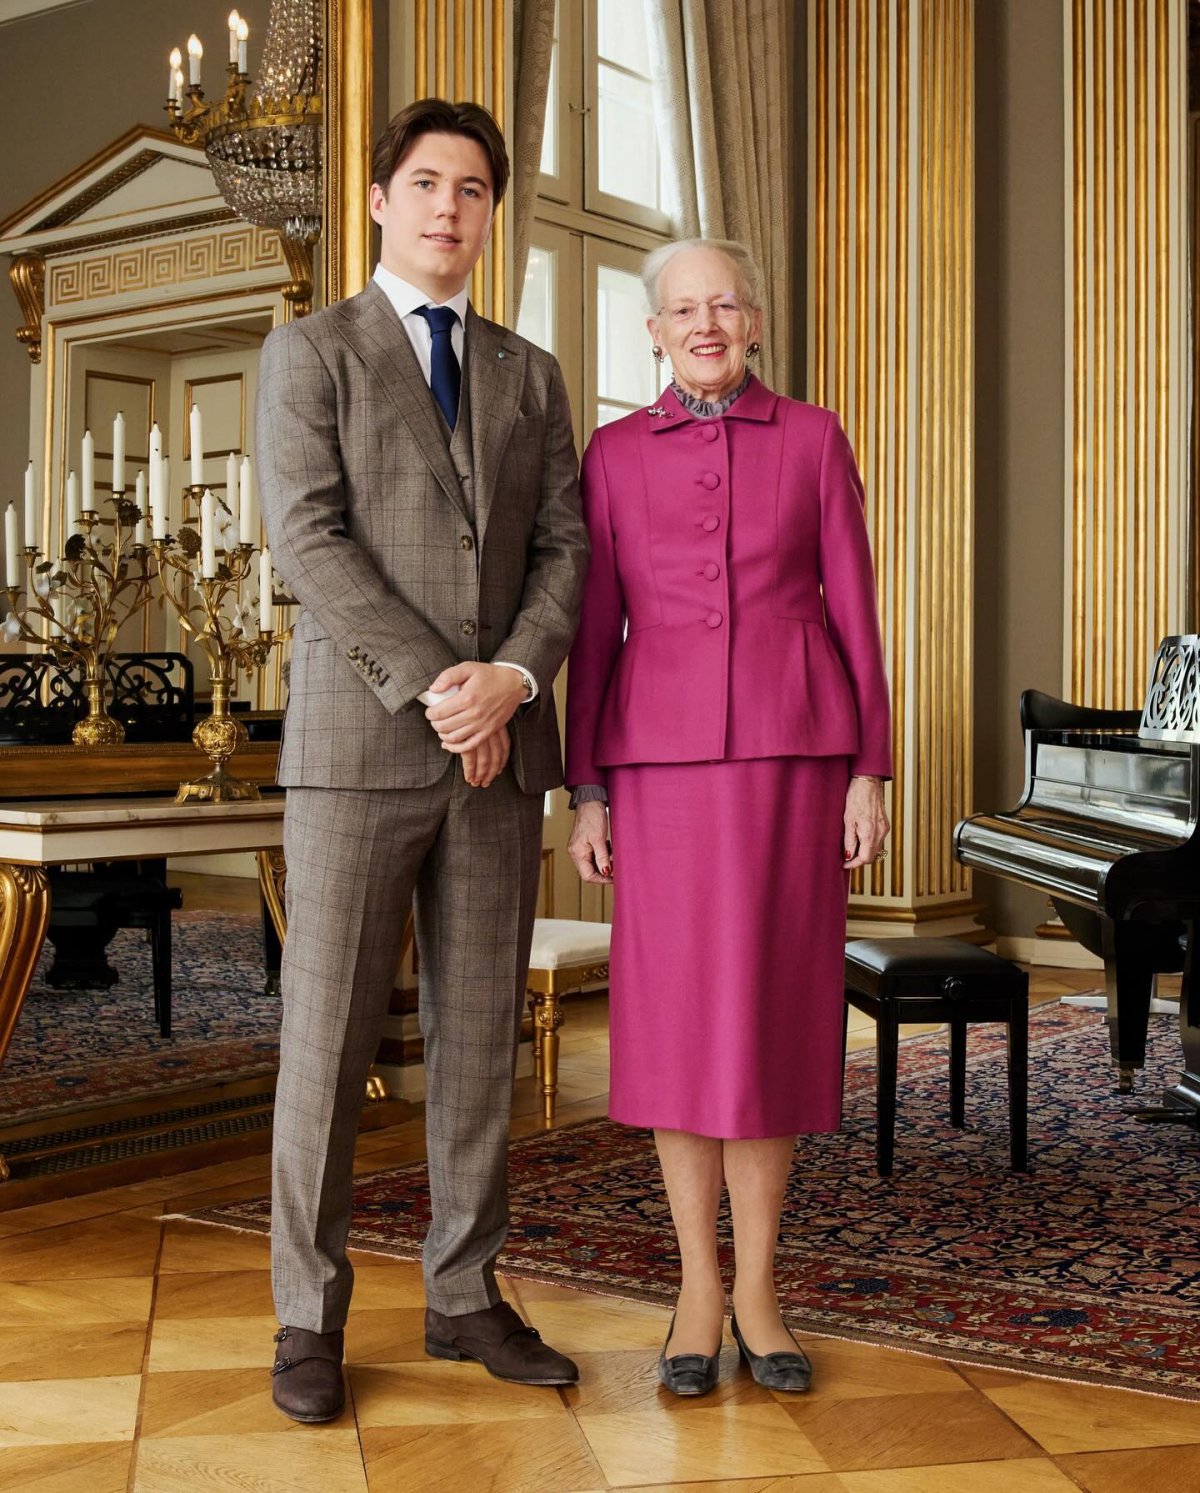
(71, 82)
(1020, 399)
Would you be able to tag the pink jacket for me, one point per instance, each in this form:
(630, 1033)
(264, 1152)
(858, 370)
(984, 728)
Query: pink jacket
(729, 610)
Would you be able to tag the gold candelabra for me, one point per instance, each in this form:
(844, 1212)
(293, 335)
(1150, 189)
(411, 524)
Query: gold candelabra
(201, 603)
(83, 599)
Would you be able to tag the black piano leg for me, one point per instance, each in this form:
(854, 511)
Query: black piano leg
(1129, 982)
(1186, 1093)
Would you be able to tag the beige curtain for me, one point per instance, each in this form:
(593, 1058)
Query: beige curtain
(719, 93)
(533, 41)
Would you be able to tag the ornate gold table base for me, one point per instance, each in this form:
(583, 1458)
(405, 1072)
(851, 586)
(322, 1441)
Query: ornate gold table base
(24, 913)
(545, 989)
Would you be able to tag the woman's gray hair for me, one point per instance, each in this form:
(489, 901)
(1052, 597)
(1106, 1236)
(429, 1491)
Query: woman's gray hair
(658, 259)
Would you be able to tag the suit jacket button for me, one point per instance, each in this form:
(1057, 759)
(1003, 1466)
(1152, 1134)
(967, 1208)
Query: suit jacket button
(710, 523)
(466, 542)
(714, 619)
(711, 571)
(709, 432)
(710, 480)
(467, 629)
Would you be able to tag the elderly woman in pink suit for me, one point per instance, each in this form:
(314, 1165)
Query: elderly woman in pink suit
(727, 740)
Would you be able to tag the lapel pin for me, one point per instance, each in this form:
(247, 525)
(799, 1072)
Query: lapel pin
(656, 409)
(500, 352)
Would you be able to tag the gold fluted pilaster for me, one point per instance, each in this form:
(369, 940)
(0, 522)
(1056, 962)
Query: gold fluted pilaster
(460, 51)
(891, 277)
(1126, 448)
(347, 87)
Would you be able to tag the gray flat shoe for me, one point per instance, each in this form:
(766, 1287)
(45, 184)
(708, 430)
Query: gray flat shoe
(791, 1372)
(688, 1373)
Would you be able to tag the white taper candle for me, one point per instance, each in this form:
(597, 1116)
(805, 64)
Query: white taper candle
(12, 556)
(232, 497)
(139, 488)
(31, 524)
(243, 36)
(195, 52)
(89, 473)
(265, 604)
(208, 535)
(197, 439)
(118, 475)
(248, 510)
(72, 518)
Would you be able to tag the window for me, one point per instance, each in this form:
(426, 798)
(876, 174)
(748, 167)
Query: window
(599, 211)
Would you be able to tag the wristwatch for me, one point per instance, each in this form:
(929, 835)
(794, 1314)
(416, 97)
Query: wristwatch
(531, 688)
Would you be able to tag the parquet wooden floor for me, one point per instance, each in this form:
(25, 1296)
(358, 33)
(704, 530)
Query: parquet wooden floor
(133, 1356)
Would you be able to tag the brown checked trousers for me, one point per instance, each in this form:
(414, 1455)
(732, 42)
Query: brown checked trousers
(409, 549)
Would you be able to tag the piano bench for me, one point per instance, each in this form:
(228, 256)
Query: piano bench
(895, 980)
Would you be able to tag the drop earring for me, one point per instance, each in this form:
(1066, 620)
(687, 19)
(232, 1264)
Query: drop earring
(659, 355)
(753, 349)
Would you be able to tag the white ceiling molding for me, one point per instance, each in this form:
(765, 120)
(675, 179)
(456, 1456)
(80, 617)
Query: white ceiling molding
(20, 10)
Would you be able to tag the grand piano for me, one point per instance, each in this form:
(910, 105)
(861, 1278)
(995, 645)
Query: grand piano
(1108, 826)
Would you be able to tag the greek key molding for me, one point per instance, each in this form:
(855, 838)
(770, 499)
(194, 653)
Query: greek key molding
(150, 266)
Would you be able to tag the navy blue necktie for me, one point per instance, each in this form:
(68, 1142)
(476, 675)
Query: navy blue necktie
(445, 376)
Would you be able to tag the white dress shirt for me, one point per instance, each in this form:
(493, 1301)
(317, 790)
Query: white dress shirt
(406, 301)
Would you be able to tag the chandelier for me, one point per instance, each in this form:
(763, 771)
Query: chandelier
(263, 141)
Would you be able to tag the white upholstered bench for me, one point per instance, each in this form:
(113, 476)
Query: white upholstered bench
(566, 955)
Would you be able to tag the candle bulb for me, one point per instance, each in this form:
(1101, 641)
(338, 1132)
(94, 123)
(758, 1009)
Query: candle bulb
(208, 536)
(72, 520)
(243, 36)
(12, 573)
(89, 473)
(174, 63)
(139, 532)
(30, 510)
(234, 20)
(195, 52)
(247, 514)
(168, 516)
(265, 603)
(232, 497)
(158, 506)
(197, 454)
(118, 472)
(179, 86)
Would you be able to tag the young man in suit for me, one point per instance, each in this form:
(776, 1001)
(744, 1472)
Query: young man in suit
(419, 489)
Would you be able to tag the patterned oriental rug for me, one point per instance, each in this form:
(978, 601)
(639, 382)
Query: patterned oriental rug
(1088, 1268)
(77, 1048)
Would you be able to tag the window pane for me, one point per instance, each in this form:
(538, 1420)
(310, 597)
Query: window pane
(607, 413)
(536, 320)
(621, 25)
(628, 145)
(549, 163)
(625, 368)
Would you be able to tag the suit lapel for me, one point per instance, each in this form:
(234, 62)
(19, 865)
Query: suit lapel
(371, 327)
(495, 378)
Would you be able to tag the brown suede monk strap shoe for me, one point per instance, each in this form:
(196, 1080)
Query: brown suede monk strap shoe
(499, 1340)
(306, 1379)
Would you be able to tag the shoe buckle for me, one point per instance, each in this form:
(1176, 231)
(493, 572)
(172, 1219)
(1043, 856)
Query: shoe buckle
(281, 1335)
(279, 1366)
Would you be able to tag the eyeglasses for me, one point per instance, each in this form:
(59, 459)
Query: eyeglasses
(684, 313)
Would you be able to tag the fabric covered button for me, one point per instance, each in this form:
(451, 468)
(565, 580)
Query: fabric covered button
(714, 619)
(709, 432)
(710, 523)
(711, 571)
(709, 480)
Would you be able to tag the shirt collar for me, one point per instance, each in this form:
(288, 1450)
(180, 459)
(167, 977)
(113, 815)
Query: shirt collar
(406, 298)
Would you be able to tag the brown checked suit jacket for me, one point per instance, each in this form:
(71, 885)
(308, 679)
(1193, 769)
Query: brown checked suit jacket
(399, 573)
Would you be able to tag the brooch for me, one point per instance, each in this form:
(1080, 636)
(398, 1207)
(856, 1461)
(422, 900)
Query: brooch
(656, 409)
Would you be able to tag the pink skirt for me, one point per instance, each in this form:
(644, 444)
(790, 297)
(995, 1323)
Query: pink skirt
(729, 933)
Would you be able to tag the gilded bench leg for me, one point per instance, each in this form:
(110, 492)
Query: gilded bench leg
(537, 1035)
(24, 912)
(272, 878)
(548, 1017)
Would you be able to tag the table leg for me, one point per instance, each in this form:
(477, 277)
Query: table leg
(24, 913)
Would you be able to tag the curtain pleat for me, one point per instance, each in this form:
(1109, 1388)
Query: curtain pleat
(533, 33)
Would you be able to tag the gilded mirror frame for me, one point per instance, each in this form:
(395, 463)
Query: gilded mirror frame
(346, 237)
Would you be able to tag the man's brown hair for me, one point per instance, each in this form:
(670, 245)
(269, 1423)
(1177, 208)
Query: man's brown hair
(430, 116)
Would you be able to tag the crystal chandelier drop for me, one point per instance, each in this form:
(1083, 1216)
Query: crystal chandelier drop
(263, 141)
